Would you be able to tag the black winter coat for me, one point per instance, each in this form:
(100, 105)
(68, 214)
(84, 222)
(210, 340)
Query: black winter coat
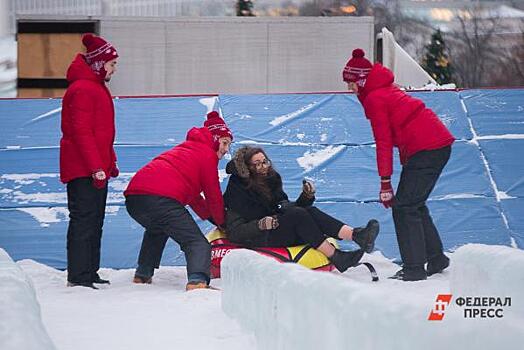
(244, 207)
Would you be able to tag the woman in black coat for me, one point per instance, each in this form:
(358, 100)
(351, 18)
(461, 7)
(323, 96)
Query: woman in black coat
(259, 213)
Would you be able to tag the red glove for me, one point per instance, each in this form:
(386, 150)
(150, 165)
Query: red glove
(114, 172)
(386, 195)
(99, 179)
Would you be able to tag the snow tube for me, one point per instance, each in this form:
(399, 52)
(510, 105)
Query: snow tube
(304, 255)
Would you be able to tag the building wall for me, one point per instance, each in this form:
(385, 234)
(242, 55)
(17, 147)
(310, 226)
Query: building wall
(234, 55)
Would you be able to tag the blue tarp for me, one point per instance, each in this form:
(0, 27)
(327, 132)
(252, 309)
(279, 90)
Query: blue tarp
(324, 137)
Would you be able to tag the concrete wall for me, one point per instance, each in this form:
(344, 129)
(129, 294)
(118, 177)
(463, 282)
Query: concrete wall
(234, 55)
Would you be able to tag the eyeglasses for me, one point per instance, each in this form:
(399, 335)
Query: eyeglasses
(258, 165)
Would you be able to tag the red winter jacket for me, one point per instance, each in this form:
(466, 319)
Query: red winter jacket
(88, 124)
(399, 120)
(182, 173)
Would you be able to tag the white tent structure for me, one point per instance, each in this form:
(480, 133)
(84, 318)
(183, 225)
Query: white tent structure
(408, 73)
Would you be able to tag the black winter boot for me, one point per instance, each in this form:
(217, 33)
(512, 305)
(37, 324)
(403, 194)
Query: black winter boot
(344, 260)
(437, 264)
(410, 273)
(82, 284)
(365, 236)
(99, 280)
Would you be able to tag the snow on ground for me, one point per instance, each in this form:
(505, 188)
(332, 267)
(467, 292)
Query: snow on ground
(128, 316)
(290, 307)
(268, 305)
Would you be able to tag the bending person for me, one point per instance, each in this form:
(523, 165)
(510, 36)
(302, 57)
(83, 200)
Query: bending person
(259, 214)
(424, 144)
(158, 193)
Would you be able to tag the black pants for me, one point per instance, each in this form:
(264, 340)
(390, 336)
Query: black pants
(298, 225)
(86, 206)
(417, 236)
(163, 218)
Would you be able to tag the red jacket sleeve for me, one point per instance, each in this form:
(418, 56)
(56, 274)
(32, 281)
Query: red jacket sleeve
(212, 192)
(200, 207)
(377, 113)
(82, 121)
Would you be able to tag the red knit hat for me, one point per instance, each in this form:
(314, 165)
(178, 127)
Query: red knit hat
(357, 68)
(98, 52)
(217, 126)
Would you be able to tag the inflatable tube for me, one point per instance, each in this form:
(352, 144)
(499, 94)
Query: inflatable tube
(304, 255)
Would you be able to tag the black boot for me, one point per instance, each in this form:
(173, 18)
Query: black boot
(437, 264)
(410, 273)
(101, 280)
(365, 236)
(82, 284)
(344, 260)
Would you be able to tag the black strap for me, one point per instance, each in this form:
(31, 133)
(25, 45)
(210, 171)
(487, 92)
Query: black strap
(301, 253)
(372, 271)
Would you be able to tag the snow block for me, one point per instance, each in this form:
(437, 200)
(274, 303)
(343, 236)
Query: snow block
(21, 324)
(287, 306)
(480, 270)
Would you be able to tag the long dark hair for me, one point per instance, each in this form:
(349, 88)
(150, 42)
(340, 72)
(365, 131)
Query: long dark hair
(261, 184)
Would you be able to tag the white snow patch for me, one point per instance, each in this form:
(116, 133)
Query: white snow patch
(323, 137)
(325, 119)
(503, 195)
(244, 116)
(301, 136)
(46, 216)
(128, 316)
(501, 137)
(292, 115)
(119, 184)
(39, 197)
(433, 87)
(26, 177)
(311, 160)
(457, 196)
(112, 209)
(44, 115)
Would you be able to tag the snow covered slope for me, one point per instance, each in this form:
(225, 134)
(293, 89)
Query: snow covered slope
(290, 307)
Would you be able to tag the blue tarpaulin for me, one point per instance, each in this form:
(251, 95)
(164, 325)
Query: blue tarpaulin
(323, 137)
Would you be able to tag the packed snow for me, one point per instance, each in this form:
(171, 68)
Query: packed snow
(264, 304)
(290, 307)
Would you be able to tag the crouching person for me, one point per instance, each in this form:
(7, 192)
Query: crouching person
(259, 214)
(158, 193)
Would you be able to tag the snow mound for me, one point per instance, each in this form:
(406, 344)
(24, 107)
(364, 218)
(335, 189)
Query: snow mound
(21, 324)
(287, 306)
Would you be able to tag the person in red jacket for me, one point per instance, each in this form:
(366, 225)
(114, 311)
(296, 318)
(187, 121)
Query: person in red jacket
(424, 144)
(158, 193)
(87, 156)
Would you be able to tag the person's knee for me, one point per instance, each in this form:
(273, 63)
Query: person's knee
(297, 212)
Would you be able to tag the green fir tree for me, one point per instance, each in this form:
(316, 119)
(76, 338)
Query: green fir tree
(245, 8)
(436, 61)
